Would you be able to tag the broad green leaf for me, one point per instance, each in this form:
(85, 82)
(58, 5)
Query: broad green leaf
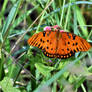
(7, 85)
(45, 70)
(13, 69)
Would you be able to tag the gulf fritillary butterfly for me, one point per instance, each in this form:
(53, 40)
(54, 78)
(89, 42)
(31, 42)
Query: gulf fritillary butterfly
(56, 44)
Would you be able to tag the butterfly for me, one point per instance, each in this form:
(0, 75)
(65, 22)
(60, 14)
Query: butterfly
(57, 43)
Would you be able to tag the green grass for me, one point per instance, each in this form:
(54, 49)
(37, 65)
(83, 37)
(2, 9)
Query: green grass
(26, 69)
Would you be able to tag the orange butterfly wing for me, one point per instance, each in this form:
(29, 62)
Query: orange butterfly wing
(59, 44)
(46, 41)
(70, 43)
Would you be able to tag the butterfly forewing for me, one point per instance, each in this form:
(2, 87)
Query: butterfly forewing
(44, 40)
(70, 43)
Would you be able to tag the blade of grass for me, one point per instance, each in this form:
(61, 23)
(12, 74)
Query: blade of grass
(75, 20)
(83, 87)
(67, 16)
(2, 73)
(56, 14)
(39, 23)
(62, 13)
(81, 21)
(2, 11)
(11, 16)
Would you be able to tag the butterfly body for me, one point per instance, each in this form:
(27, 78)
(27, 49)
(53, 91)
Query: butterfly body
(57, 44)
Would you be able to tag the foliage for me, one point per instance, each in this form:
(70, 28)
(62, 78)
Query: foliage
(7, 86)
(28, 68)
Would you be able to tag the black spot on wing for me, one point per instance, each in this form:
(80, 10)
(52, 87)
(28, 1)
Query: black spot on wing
(41, 40)
(48, 33)
(41, 47)
(77, 49)
(51, 48)
(38, 45)
(71, 52)
(44, 33)
(68, 42)
(74, 36)
(68, 35)
(76, 43)
(47, 47)
(73, 44)
(67, 49)
(74, 50)
(47, 40)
